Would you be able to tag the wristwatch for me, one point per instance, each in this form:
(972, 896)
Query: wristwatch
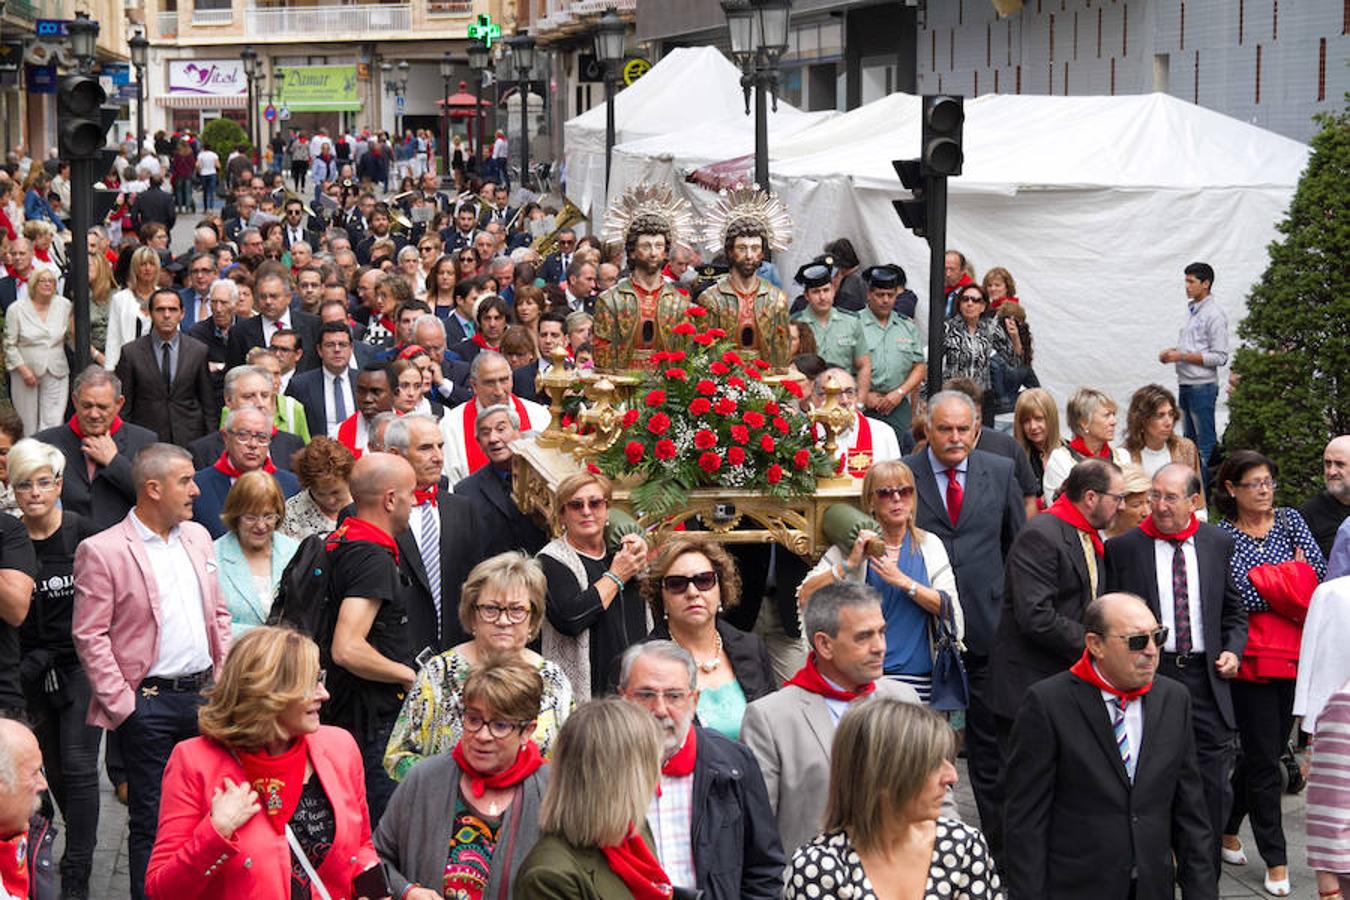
(913, 589)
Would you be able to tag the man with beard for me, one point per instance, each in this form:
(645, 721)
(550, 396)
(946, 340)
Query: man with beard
(749, 309)
(1325, 511)
(712, 827)
(637, 317)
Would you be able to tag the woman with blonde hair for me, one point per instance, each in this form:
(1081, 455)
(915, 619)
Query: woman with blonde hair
(40, 235)
(1091, 416)
(913, 575)
(101, 286)
(35, 353)
(594, 603)
(502, 606)
(1036, 429)
(890, 767)
(253, 551)
(264, 774)
(128, 310)
(595, 845)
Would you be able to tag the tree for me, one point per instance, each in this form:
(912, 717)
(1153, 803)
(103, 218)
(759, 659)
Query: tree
(225, 136)
(1293, 392)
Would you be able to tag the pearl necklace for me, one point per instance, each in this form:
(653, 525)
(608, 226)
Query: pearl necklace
(712, 664)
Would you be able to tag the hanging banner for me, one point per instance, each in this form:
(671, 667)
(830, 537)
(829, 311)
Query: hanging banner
(318, 88)
(208, 77)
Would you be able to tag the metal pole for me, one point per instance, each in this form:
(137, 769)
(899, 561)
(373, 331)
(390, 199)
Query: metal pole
(609, 125)
(478, 121)
(524, 130)
(140, 106)
(761, 127)
(252, 136)
(445, 130)
(935, 193)
(81, 211)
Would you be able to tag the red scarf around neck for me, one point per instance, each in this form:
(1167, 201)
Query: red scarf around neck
(1084, 670)
(481, 341)
(224, 465)
(527, 762)
(473, 454)
(74, 424)
(14, 865)
(1064, 510)
(278, 780)
(347, 435)
(1081, 446)
(1150, 528)
(808, 678)
(425, 496)
(681, 765)
(354, 529)
(638, 868)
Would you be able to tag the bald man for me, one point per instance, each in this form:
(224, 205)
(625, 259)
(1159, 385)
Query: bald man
(1325, 511)
(21, 785)
(371, 650)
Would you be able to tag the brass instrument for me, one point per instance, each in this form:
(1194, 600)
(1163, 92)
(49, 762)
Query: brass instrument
(568, 217)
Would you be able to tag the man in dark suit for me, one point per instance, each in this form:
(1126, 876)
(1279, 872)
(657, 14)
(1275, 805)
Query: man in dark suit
(554, 269)
(201, 271)
(971, 501)
(462, 232)
(99, 449)
(502, 525)
(248, 433)
(379, 231)
(247, 386)
(453, 389)
(166, 376)
(1104, 789)
(215, 333)
(272, 295)
(1052, 573)
(328, 393)
(501, 210)
(441, 544)
(295, 227)
(1196, 599)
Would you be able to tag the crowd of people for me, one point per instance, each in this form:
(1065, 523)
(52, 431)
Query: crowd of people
(264, 554)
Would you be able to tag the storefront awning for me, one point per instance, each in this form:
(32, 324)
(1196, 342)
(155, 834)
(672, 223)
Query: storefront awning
(320, 105)
(202, 101)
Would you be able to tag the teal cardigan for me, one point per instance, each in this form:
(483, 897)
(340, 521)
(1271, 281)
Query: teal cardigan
(236, 581)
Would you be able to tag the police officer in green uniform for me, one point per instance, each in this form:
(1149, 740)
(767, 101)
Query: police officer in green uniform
(893, 343)
(838, 333)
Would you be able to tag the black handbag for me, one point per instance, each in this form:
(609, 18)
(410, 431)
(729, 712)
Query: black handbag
(950, 689)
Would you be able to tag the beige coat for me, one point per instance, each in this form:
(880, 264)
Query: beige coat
(37, 344)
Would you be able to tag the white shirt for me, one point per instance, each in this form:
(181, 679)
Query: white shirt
(270, 327)
(183, 647)
(331, 420)
(207, 162)
(1134, 718)
(1153, 460)
(1162, 556)
(286, 380)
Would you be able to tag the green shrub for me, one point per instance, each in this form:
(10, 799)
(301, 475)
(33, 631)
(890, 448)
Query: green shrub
(225, 136)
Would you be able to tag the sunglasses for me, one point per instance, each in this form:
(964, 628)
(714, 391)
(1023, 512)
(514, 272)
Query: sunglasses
(903, 491)
(678, 584)
(1137, 642)
(592, 504)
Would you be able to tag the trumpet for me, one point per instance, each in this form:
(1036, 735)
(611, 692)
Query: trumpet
(570, 215)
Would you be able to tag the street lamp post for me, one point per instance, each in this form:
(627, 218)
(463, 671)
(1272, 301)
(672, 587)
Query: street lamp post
(480, 59)
(522, 50)
(250, 58)
(140, 48)
(400, 91)
(609, 36)
(447, 72)
(758, 30)
(83, 37)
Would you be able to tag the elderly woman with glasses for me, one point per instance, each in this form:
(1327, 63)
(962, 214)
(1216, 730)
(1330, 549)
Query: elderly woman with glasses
(912, 574)
(253, 551)
(462, 821)
(263, 774)
(1264, 536)
(502, 606)
(691, 582)
(55, 685)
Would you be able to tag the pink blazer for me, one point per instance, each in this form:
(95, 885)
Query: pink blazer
(191, 859)
(117, 615)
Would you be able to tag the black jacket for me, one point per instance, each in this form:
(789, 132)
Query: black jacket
(749, 658)
(501, 524)
(248, 333)
(153, 205)
(207, 449)
(789, 571)
(108, 498)
(181, 412)
(737, 853)
(461, 550)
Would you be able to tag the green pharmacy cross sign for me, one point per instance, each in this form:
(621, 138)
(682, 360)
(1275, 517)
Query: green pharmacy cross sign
(485, 30)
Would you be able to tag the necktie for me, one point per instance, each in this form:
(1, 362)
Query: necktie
(166, 366)
(339, 400)
(955, 495)
(1122, 735)
(1181, 600)
(429, 545)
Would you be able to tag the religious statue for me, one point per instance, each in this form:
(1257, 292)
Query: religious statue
(637, 316)
(745, 223)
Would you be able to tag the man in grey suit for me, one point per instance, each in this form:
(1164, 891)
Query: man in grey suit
(791, 731)
(971, 501)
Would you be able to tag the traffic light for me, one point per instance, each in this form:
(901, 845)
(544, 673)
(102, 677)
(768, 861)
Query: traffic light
(943, 117)
(913, 212)
(82, 119)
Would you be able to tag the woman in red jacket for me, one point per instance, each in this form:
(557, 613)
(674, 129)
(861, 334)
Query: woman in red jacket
(264, 777)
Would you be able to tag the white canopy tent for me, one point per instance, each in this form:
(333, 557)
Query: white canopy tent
(1095, 204)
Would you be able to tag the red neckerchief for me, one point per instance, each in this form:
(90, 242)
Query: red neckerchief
(527, 762)
(43, 255)
(965, 280)
(808, 678)
(995, 304)
(1150, 528)
(354, 529)
(473, 453)
(681, 765)
(388, 324)
(1064, 510)
(427, 496)
(14, 865)
(1081, 446)
(481, 341)
(638, 868)
(74, 424)
(1084, 670)
(278, 780)
(347, 435)
(224, 465)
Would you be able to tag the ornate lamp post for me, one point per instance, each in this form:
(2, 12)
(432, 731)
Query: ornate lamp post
(522, 51)
(447, 72)
(758, 30)
(609, 38)
(250, 58)
(480, 60)
(140, 48)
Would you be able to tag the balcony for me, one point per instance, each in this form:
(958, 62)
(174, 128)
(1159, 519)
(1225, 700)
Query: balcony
(167, 23)
(24, 9)
(449, 7)
(330, 21)
(213, 16)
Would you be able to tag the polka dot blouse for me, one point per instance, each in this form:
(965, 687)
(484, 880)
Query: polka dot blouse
(828, 867)
(1288, 532)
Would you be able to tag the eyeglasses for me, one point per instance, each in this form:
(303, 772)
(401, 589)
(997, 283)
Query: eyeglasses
(1137, 642)
(498, 728)
(1160, 497)
(972, 298)
(1119, 498)
(490, 612)
(678, 584)
(276, 349)
(203, 271)
(251, 437)
(1266, 484)
(577, 505)
(671, 698)
(251, 519)
(42, 485)
(903, 491)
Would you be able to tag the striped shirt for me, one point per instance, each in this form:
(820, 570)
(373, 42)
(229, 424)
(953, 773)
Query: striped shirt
(671, 819)
(1328, 785)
